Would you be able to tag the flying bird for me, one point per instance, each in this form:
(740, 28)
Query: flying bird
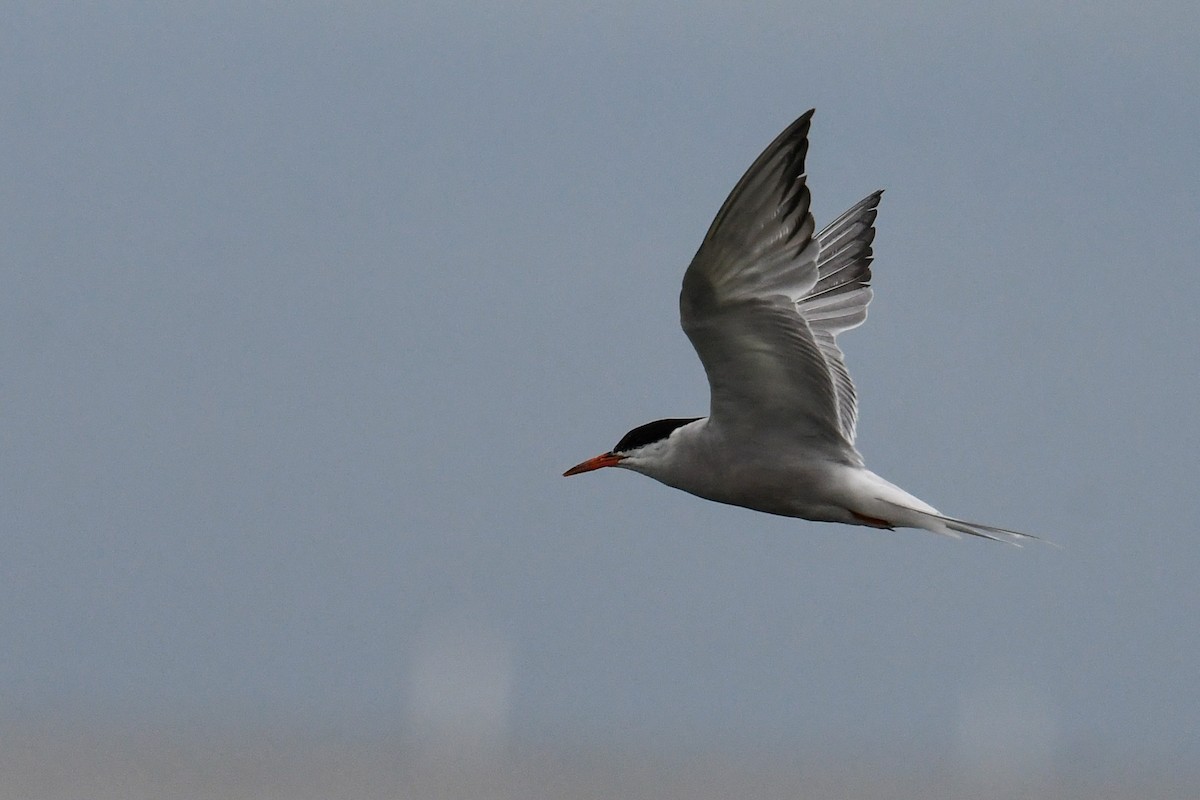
(763, 302)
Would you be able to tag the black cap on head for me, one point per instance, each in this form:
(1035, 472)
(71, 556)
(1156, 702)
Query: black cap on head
(649, 433)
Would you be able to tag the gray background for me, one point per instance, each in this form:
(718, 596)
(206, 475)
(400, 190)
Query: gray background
(305, 309)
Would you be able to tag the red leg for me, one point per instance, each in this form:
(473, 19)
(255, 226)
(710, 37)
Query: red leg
(874, 522)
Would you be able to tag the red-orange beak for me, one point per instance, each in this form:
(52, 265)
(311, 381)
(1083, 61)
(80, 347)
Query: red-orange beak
(604, 460)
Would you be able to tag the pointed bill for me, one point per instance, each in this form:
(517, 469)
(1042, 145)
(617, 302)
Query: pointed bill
(602, 460)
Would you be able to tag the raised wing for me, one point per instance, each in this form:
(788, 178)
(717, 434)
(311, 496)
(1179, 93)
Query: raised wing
(839, 300)
(749, 292)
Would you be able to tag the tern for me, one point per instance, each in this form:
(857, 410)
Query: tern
(763, 302)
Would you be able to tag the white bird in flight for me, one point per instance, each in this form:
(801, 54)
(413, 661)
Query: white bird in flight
(763, 302)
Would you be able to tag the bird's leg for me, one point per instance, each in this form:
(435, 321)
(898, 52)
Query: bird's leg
(874, 522)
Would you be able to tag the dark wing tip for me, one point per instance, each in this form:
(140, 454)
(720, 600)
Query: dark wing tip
(779, 166)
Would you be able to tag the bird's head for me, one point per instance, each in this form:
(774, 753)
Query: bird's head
(643, 446)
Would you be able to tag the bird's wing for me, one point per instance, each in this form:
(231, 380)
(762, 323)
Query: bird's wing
(838, 301)
(744, 297)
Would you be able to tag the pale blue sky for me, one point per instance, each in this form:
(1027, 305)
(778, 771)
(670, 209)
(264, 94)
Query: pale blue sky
(307, 308)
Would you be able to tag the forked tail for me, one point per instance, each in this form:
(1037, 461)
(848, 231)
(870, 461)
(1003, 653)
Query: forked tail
(950, 526)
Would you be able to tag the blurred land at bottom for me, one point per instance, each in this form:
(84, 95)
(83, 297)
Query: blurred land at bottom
(50, 762)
